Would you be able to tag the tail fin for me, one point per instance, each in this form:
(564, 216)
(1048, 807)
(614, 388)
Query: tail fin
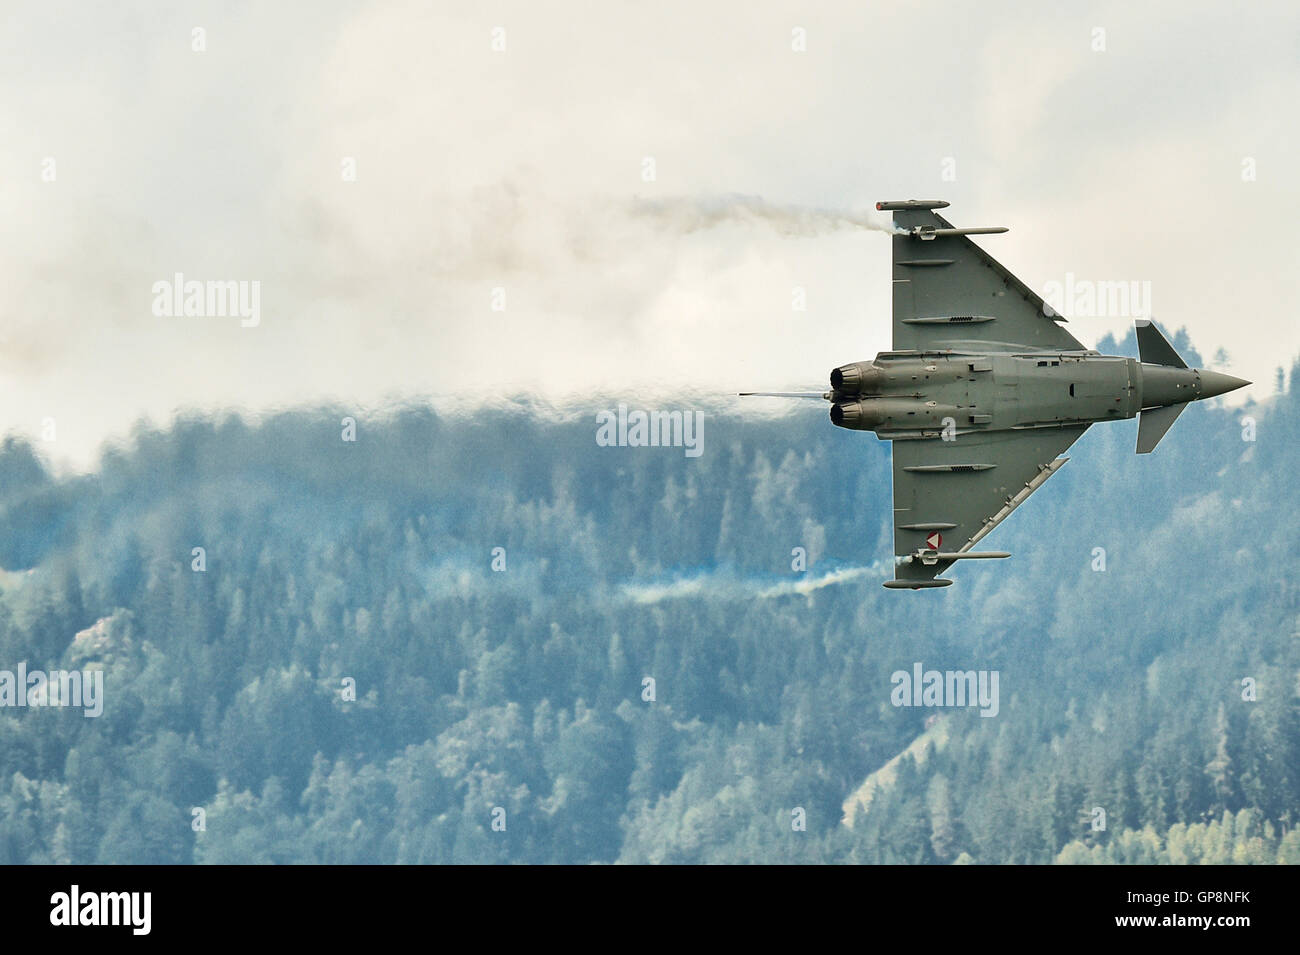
(1154, 422)
(1154, 349)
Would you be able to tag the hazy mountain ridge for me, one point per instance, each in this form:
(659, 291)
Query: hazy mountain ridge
(523, 689)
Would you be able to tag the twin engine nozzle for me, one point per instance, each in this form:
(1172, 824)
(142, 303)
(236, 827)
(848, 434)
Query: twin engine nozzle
(859, 378)
(849, 382)
(857, 415)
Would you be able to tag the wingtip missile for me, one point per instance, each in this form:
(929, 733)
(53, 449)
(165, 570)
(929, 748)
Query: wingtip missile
(891, 205)
(930, 232)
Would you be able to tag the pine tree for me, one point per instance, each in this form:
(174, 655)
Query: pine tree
(1219, 769)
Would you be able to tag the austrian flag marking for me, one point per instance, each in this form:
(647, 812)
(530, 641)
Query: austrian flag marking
(933, 540)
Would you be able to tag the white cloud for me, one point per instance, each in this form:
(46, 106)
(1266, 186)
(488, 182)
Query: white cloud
(522, 169)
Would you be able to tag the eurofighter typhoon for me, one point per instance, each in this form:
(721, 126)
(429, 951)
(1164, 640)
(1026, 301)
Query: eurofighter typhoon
(984, 389)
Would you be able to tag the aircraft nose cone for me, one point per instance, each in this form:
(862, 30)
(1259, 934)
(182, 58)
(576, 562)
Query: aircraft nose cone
(1213, 383)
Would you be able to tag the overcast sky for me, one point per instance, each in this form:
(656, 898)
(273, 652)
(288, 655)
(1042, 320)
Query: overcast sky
(1162, 149)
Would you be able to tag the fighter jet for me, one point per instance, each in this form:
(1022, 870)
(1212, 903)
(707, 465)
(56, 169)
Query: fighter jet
(984, 389)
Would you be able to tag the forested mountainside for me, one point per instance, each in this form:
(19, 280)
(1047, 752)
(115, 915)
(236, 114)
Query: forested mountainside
(487, 638)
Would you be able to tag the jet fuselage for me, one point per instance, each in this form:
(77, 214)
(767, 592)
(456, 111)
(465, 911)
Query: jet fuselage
(917, 395)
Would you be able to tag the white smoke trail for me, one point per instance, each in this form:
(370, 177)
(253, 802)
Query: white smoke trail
(806, 585)
(727, 587)
(685, 215)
